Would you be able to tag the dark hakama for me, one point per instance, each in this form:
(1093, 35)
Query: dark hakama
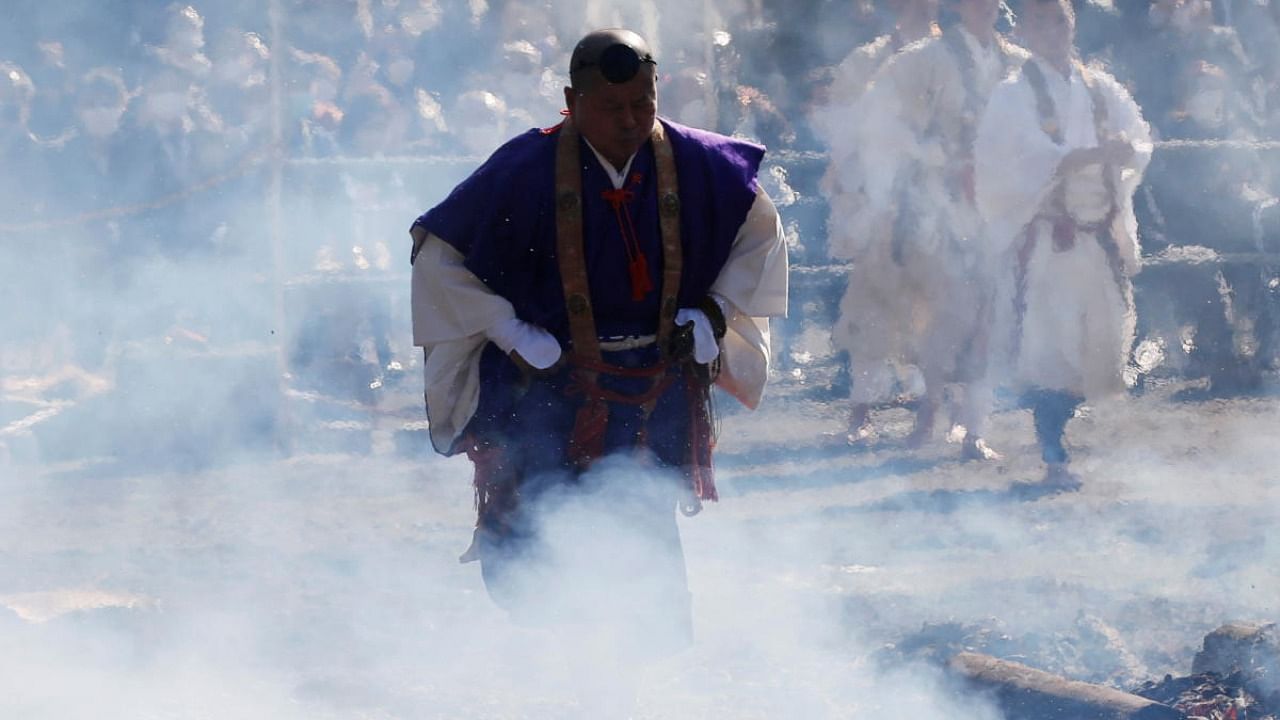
(601, 545)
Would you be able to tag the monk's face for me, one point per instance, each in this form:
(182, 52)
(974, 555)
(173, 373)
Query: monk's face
(1047, 28)
(915, 12)
(616, 119)
(978, 13)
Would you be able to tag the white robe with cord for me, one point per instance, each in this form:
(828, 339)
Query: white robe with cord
(907, 134)
(1076, 327)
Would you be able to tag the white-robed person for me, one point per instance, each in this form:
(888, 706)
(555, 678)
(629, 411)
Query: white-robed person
(1060, 151)
(914, 20)
(917, 294)
(852, 230)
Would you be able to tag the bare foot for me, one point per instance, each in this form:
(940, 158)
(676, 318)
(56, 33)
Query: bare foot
(975, 448)
(864, 434)
(1057, 480)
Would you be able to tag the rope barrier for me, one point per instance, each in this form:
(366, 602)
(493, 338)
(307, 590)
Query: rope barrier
(389, 160)
(241, 168)
(1259, 145)
(265, 153)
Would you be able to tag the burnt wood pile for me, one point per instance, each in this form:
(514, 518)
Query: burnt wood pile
(1235, 675)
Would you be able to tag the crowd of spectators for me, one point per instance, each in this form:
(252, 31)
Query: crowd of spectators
(185, 90)
(141, 130)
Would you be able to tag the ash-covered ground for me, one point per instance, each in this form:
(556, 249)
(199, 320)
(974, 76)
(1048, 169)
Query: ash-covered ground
(825, 581)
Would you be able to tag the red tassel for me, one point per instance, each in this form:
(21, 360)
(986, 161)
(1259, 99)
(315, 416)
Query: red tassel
(641, 284)
(637, 264)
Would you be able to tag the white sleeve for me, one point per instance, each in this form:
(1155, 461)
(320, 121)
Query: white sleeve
(448, 301)
(752, 287)
(754, 278)
(452, 310)
(1126, 120)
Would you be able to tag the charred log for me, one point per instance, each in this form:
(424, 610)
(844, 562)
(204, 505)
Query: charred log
(1024, 692)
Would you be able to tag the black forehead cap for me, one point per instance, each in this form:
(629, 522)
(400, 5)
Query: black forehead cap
(617, 52)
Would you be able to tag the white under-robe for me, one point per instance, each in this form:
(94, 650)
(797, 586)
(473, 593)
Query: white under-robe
(1076, 328)
(452, 310)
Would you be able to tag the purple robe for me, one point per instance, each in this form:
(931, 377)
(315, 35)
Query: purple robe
(502, 220)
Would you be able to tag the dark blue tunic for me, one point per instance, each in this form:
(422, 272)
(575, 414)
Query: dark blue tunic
(502, 220)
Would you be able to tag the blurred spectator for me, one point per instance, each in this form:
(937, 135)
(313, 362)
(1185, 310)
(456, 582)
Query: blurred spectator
(342, 345)
(744, 110)
(313, 101)
(175, 110)
(1255, 21)
(101, 105)
(51, 118)
(1099, 28)
(239, 91)
(1259, 24)
(1196, 82)
(479, 120)
(1188, 74)
(1217, 199)
(532, 90)
(686, 97)
(183, 46)
(534, 23)
(833, 108)
(374, 122)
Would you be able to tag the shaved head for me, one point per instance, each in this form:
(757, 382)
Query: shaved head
(613, 98)
(1047, 29)
(614, 55)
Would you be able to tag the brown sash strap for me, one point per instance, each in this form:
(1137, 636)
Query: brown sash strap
(1064, 228)
(973, 99)
(587, 440)
(669, 225)
(1044, 101)
(569, 248)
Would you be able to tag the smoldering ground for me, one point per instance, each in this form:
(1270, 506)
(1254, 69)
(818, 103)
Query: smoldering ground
(328, 586)
(323, 589)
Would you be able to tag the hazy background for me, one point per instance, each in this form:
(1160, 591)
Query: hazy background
(215, 495)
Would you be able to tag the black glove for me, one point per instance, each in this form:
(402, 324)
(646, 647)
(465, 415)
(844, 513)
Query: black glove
(680, 344)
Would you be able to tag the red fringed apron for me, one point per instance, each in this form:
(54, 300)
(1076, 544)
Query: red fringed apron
(586, 443)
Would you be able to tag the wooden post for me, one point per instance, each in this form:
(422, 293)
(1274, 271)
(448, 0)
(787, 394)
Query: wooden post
(275, 211)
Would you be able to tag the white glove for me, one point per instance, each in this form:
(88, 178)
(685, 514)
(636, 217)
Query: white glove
(538, 347)
(705, 348)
